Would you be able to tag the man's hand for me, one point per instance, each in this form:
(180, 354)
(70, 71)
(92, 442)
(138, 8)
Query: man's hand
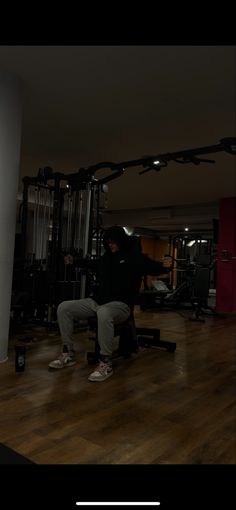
(68, 259)
(167, 261)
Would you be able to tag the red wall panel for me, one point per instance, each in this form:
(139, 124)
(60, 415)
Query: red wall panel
(226, 257)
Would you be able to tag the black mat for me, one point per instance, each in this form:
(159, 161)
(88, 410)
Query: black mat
(9, 456)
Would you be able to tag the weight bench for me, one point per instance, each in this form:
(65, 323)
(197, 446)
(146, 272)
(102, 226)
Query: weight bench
(130, 338)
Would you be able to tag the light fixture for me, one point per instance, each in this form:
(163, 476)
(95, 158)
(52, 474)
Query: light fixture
(191, 243)
(128, 230)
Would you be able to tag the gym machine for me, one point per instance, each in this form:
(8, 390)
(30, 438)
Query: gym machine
(64, 214)
(59, 214)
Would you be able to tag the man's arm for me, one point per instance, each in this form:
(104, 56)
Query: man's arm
(149, 266)
(92, 264)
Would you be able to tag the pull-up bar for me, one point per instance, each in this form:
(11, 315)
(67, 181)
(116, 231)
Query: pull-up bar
(156, 162)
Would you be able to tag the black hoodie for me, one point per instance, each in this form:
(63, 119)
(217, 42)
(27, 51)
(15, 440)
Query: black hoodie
(120, 273)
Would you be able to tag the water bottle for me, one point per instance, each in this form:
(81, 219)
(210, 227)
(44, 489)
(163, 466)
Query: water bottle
(20, 358)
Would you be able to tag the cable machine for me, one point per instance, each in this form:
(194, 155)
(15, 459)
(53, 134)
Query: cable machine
(60, 214)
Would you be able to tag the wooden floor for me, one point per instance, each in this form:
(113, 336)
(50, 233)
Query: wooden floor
(157, 408)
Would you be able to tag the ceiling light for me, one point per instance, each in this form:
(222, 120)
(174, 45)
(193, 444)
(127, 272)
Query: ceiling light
(191, 243)
(128, 230)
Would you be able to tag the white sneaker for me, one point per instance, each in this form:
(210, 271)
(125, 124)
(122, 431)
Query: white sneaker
(102, 372)
(63, 360)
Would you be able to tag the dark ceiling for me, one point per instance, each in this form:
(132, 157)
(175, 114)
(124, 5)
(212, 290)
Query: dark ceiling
(87, 104)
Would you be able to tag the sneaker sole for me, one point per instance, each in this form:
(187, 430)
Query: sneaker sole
(101, 379)
(70, 364)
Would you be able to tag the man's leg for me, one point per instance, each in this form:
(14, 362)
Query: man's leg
(108, 315)
(67, 312)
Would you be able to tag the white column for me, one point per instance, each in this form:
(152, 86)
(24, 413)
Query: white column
(10, 140)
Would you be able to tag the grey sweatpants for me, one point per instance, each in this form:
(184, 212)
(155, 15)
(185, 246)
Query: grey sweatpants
(107, 315)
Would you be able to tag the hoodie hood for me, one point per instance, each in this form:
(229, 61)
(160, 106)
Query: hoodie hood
(116, 234)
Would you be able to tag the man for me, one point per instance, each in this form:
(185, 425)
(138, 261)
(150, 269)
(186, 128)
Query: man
(120, 271)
